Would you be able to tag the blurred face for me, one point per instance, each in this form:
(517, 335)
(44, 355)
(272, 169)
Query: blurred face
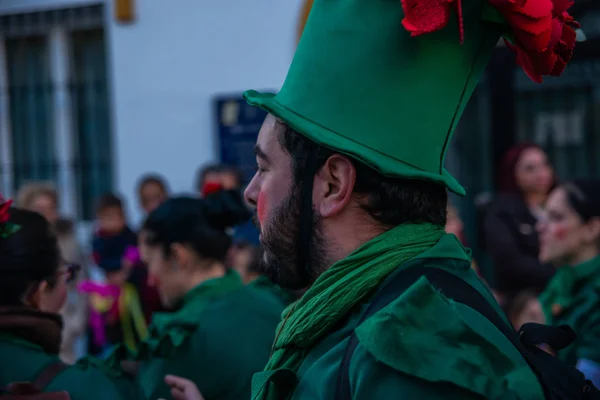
(533, 172)
(531, 313)
(152, 195)
(454, 224)
(45, 205)
(111, 220)
(229, 181)
(164, 273)
(52, 299)
(564, 237)
(278, 212)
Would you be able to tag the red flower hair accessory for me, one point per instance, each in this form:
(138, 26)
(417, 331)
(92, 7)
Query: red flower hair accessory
(6, 229)
(541, 31)
(211, 187)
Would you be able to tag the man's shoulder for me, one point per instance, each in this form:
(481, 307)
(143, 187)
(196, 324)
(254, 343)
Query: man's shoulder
(425, 335)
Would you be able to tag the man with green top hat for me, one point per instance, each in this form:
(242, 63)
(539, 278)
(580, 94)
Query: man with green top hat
(351, 190)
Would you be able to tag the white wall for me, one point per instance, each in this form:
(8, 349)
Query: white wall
(167, 66)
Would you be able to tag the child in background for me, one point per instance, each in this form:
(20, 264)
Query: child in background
(524, 308)
(116, 314)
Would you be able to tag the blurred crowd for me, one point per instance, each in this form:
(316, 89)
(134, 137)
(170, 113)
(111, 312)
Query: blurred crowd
(96, 315)
(535, 230)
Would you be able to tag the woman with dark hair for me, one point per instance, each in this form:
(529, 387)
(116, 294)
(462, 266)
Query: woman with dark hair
(570, 240)
(509, 227)
(42, 197)
(33, 289)
(220, 332)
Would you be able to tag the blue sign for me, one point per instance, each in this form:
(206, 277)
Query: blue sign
(238, 125)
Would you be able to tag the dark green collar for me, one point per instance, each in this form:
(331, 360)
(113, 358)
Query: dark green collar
(448, 247)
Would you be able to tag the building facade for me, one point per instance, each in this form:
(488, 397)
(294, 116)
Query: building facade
(92, 103)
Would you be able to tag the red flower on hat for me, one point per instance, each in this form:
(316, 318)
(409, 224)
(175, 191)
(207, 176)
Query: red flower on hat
(426, 16)
(544, 34)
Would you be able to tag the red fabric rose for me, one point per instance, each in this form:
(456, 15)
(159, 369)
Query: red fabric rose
(426, 16)
(4, 206)
(544, 34)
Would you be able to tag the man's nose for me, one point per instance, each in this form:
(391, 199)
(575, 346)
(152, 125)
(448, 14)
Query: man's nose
(251, 192)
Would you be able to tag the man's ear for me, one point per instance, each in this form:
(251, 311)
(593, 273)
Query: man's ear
(181, 255)
(334, 184)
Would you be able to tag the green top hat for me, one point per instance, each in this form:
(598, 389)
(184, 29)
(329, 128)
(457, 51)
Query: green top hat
(362, 85)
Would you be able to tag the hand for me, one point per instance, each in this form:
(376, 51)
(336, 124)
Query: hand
(183, 389)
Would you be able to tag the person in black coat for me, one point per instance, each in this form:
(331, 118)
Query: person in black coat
(510, 234)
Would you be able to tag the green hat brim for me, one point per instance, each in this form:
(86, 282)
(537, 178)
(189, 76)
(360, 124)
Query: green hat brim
(387, 165)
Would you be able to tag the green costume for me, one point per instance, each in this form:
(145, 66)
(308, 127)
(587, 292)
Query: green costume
(573, 298)
(221, 334)
(264, 284)
(361, 84)
(22, 360)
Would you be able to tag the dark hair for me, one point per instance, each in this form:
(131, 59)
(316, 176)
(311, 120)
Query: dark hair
(390, 201)
(219, 168)
(108, 201)
(583, 196)
(27, 256)
(507, 180)
(152, 179)
(199, 223)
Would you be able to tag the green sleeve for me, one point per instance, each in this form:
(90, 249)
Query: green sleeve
(94, 383)
(371, 380)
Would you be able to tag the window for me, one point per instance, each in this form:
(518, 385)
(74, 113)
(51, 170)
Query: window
(55, 109)
(92, 131)
(30, 93)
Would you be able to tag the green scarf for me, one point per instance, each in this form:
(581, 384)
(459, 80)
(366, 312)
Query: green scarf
(336, 292)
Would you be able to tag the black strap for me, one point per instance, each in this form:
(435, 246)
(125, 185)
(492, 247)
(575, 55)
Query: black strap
(452, 287)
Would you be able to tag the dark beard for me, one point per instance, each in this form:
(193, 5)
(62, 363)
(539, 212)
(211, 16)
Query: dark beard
(280, 246)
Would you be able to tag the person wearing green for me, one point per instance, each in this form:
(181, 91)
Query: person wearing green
(33, 289)
(246, 261)
(351, 189)
(570, 239)
(220, 332)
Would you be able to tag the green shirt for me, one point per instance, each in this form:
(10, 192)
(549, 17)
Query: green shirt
(264, 284)
(216, 339)
(573, 298)
(420, 346)
(22, 361)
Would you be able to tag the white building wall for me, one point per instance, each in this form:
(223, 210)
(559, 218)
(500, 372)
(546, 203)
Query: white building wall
(166, 67)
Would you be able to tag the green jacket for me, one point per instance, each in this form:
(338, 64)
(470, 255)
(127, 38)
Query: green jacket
(264, 284)
(573, 298)
(420, 346)
(217, 342)
(22, 361)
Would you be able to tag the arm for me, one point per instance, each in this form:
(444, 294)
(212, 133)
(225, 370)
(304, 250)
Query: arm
(509, 261)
